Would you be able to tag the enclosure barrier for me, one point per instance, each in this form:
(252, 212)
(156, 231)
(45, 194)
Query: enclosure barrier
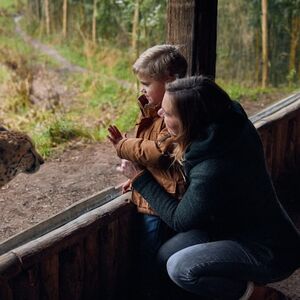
(88, 251)
(279, 129)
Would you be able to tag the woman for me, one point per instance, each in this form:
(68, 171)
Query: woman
(234, 235)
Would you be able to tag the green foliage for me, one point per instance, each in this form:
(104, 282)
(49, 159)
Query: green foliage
(54, 133)
(4, 74)
(8, 5)
(237, 91)
(292, 77)
(239, 40)
(63, 130)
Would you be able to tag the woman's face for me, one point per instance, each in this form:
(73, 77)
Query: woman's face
(170, 116)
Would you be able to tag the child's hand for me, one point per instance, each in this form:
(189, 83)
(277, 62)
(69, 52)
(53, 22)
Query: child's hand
(126, 186)
(128, 168)
(115, 136)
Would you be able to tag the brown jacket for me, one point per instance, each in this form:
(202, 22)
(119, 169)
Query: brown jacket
(151, 149)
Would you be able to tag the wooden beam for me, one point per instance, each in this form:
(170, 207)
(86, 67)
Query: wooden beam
(192, 24)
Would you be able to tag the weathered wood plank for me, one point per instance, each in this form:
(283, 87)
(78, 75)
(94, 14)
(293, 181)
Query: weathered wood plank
(279, 147)
(71, 270)
(269, 142)
(276, 127)
(10, 265)
(297, 142)
(49, 278)
(289, 105)
(127, 254)
(109, 260)
(91, 289)
(25, 286)
(5, 290)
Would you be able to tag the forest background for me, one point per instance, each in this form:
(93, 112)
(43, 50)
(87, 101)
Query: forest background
(61, 101)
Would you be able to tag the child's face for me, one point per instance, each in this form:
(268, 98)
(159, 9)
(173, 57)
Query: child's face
(170, 116)
(154, 90)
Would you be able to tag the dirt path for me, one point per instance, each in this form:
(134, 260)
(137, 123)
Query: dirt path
(64, 64)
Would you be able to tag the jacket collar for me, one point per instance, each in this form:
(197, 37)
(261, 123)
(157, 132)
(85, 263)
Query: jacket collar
(148, 110)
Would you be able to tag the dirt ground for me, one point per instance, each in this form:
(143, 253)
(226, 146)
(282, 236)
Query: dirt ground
(76, 174)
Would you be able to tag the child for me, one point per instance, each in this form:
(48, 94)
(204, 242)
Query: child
(152, 146)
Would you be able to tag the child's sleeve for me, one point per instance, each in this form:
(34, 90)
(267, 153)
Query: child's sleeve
(146, 152)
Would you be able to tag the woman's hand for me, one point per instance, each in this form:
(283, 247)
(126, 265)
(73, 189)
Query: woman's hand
(129, 169)
(115, 136)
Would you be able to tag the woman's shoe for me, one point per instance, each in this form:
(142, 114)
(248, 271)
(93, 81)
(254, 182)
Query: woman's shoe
(267, 293)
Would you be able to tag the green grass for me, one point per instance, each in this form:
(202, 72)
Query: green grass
(105, 60)
(104, 101)
(238, 91)
(4, 74)
(8, 5)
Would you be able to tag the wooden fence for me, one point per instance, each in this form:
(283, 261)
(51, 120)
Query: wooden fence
(88, 251)
(279, 129)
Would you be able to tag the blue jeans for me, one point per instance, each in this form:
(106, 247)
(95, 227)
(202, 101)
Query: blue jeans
(152, 232)
(217, 269)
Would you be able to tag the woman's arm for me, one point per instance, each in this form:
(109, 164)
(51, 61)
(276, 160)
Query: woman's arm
(198, 205)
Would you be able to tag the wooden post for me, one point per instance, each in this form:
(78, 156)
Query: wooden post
(192, 24)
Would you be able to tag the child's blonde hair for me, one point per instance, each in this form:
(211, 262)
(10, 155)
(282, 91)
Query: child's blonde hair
(161, 61)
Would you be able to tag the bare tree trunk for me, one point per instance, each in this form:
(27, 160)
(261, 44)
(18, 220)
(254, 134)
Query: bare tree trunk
(38, 9)
(192, 24)
(135, 26)
(257, 56)
(82, 21)
(47, 16)
(94, 23)
(30, 9)
(265, 57)
(33, 9)
(65, 18)
(295, 36)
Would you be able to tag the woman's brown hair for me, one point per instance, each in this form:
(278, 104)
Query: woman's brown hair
(198, 101)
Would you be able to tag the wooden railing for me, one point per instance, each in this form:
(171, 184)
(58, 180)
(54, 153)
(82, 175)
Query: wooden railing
(91, 256)
(88, 251)
(279, 129)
